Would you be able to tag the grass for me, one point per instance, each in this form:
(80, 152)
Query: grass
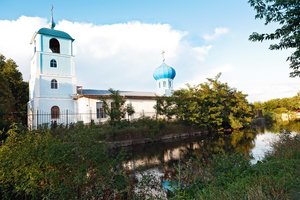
(233, 177)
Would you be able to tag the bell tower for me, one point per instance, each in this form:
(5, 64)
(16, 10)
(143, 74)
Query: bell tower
(52, 81)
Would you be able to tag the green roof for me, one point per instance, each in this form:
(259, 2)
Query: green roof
(55, 33)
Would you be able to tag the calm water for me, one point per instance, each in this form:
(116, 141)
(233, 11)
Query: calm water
(159, 161)
(161, 155)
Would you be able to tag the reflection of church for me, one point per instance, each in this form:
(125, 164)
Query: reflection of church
(53, 92)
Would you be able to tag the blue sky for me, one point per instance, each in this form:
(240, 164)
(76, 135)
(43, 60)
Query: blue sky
(118, 43)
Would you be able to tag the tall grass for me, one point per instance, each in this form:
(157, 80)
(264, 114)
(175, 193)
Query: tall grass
(233, 177)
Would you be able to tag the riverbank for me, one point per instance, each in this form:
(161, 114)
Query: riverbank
(75, 163)
(233, 177)
(146, 131)
(164, 138)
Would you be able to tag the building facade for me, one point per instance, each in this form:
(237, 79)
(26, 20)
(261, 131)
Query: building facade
(54, 96)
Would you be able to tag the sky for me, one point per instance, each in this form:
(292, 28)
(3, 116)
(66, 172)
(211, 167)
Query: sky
(118, 43)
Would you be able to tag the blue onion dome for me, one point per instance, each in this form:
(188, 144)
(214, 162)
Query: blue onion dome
(164, 71)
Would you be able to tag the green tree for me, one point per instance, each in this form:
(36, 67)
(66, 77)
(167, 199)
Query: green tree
(211, 105)
(6, 105)
(116, 110)
(272, 109)
(165, 106)
(14, 89)
(286, 13)
(129, 110)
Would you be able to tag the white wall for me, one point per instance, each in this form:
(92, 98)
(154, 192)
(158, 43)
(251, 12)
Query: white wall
(41, 111)
(87, 109)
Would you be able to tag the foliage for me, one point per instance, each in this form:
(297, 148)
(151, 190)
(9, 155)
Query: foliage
(143, 128)
(129, 110)
(60, 164)
(286, 14)
(6, 105)
(165, 106)
(114, 107)
(285, 127)
(116, 110)
(233, 177)
(272, 109)
(212, 105)
(73, 162)
(14, 94)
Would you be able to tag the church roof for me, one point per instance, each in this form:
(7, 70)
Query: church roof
(55, 33)
(164, 71)
(91, 92)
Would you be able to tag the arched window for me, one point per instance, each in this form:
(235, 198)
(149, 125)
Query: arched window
(53, 63)
(164, 83)
(159, 84)
(55, 112)
(54, 45)
(53, 84)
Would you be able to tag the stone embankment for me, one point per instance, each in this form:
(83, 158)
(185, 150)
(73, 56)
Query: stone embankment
(164, 138)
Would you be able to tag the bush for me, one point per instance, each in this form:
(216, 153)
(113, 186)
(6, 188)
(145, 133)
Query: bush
(232, 176)
(59, 164)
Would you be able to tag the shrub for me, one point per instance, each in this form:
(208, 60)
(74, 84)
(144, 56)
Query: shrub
(60, 164)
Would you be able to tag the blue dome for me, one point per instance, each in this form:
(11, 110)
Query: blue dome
(164, 71)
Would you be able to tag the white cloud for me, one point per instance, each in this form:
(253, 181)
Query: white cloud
(122, 56)
(217, 32)
(222, 69)
(198, 78)
(271, 90)
(15, 37)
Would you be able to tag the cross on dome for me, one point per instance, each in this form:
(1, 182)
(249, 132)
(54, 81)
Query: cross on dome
(163, 55)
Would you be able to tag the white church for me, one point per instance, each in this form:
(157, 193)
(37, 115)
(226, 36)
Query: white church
(55, 97)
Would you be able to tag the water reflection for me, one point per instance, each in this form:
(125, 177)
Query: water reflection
(176, 161)
(201, 148)
(263, 144)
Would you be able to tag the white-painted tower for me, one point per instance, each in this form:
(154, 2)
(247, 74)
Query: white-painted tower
(52, 79)
(164, 76)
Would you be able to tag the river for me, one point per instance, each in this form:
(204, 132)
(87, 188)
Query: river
(147, 156)
(159, 160)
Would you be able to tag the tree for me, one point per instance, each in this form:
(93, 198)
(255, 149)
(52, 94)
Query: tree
(15, 91)
(273, 109)
(212, 105)
(116, 110)
(287, 14)
(165, 106)
(129, 110)
(6, 105)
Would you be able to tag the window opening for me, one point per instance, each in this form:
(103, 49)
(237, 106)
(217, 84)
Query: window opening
(53, 63)
(54, 84)
(54, 45)
(100, 110)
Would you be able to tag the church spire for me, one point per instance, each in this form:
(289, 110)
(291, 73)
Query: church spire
(52, 24)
